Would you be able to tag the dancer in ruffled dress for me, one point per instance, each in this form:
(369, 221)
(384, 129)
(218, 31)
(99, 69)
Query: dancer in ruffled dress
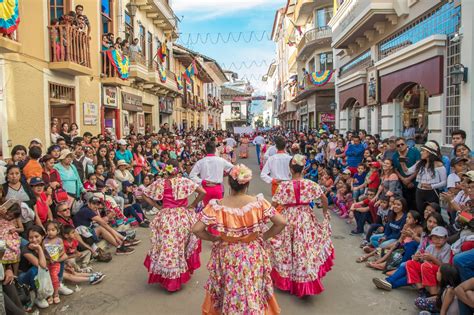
(174, 253)
(303, 253)
(239, 268)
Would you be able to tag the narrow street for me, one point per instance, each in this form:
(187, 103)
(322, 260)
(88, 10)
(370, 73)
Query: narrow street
(349, 289)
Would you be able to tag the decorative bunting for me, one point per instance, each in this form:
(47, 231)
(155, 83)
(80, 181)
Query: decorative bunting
(179, 83)
(191, 70)
(162, 51)
(120, 62)
(162, 72)
(9, 16)
(320, 78)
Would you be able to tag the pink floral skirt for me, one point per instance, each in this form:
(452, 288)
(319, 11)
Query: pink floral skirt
(174, 253)
(302, 253)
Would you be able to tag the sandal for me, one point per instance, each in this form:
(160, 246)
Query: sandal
(56, 299)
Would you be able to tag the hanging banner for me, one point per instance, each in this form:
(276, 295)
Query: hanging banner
(162, 72)
(162, 51)
(9, 16)
(120, 62)
(179, 83)
(191, 70)
(320, 78)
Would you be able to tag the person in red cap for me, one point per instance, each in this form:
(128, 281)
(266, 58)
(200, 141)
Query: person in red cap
(372, 180)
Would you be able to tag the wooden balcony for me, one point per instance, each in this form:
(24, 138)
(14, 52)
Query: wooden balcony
(163, 88)
(138, 67)
(109, 74)
(9, 44)
(69, 50)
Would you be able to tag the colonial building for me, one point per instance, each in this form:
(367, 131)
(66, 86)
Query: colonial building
(237, 99)
(200, 106)
(312, 90)
(402, 63)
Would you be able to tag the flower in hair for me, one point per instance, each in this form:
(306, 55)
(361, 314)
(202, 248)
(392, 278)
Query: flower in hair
(299, 159)
(241, 173)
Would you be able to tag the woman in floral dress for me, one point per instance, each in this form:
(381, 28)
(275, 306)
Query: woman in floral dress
(303, 253)
(244, 147)
(239, 268)
(174, 253)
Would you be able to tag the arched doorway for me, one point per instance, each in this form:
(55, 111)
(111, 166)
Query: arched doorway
(353, 114)
(413, 99)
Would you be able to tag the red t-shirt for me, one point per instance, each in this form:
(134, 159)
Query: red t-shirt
(374, 180)
(42, 207)
(70, 247)
(373, 212)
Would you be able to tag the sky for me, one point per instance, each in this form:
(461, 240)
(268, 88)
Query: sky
(226, 16)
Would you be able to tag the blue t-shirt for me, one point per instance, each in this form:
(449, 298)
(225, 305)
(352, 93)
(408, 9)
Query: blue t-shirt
(127, 156)
(359, 179)
(394, 228)
(83, 217)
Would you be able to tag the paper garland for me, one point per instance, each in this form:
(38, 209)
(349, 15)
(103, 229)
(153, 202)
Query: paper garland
(320, 78)
(179, 83)
(120, 62)
(9, 16)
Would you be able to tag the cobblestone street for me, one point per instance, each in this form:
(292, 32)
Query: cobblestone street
(349, 289)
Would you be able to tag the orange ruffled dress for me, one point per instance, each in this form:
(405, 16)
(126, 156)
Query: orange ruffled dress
(174, 253)
(303, 252)
(239, 267)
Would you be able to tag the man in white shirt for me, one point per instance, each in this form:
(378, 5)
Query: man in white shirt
(209, 172)
(277, 168)
(258, 141)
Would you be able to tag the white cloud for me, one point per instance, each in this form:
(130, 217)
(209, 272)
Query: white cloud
(212, 8)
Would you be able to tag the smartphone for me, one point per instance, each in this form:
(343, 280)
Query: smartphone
(9, 203)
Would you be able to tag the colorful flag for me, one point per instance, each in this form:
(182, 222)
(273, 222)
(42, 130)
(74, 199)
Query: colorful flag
(9, 16)
(120, 62)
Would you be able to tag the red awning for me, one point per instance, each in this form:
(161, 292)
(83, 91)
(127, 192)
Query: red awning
(355, 93)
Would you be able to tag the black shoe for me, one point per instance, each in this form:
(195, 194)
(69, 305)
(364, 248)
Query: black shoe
(144, 224)
(354, 232)
(122, 250)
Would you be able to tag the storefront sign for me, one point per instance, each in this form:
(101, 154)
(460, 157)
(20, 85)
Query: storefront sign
(109, 96)
(241, 98)
(372, 87)
(327, 117)
(91, 114)
(131, 102)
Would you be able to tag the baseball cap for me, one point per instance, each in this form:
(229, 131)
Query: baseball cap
(434, 205)
(375, 164)
(122, 142)
(439, 231)
(347, 172)
(126, 184)
(37, 140)
(457, 160)
(35, 181)
(469, 175)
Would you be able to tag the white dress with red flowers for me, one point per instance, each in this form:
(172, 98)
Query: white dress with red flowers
(303, 252)
(174, 253)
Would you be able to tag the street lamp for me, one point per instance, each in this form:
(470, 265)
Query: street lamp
(333, 106)
(458, 74)
(132, 9)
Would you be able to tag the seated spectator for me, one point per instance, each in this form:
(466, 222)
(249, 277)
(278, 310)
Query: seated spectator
(42, 207)
(465, 294)
(72, 183)
(363, 212)
(122, 174)
(358, 188)
(88, 214)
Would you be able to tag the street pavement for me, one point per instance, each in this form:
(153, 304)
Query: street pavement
(349, 289)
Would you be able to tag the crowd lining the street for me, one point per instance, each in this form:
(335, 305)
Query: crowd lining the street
(70, 203)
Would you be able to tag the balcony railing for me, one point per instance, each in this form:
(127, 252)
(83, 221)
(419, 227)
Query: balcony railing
(312, 38)
(108, 69)
(69, 44)
(317, 33)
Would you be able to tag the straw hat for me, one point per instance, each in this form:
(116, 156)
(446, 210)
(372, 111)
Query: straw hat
(64, 154)
(121, 163)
